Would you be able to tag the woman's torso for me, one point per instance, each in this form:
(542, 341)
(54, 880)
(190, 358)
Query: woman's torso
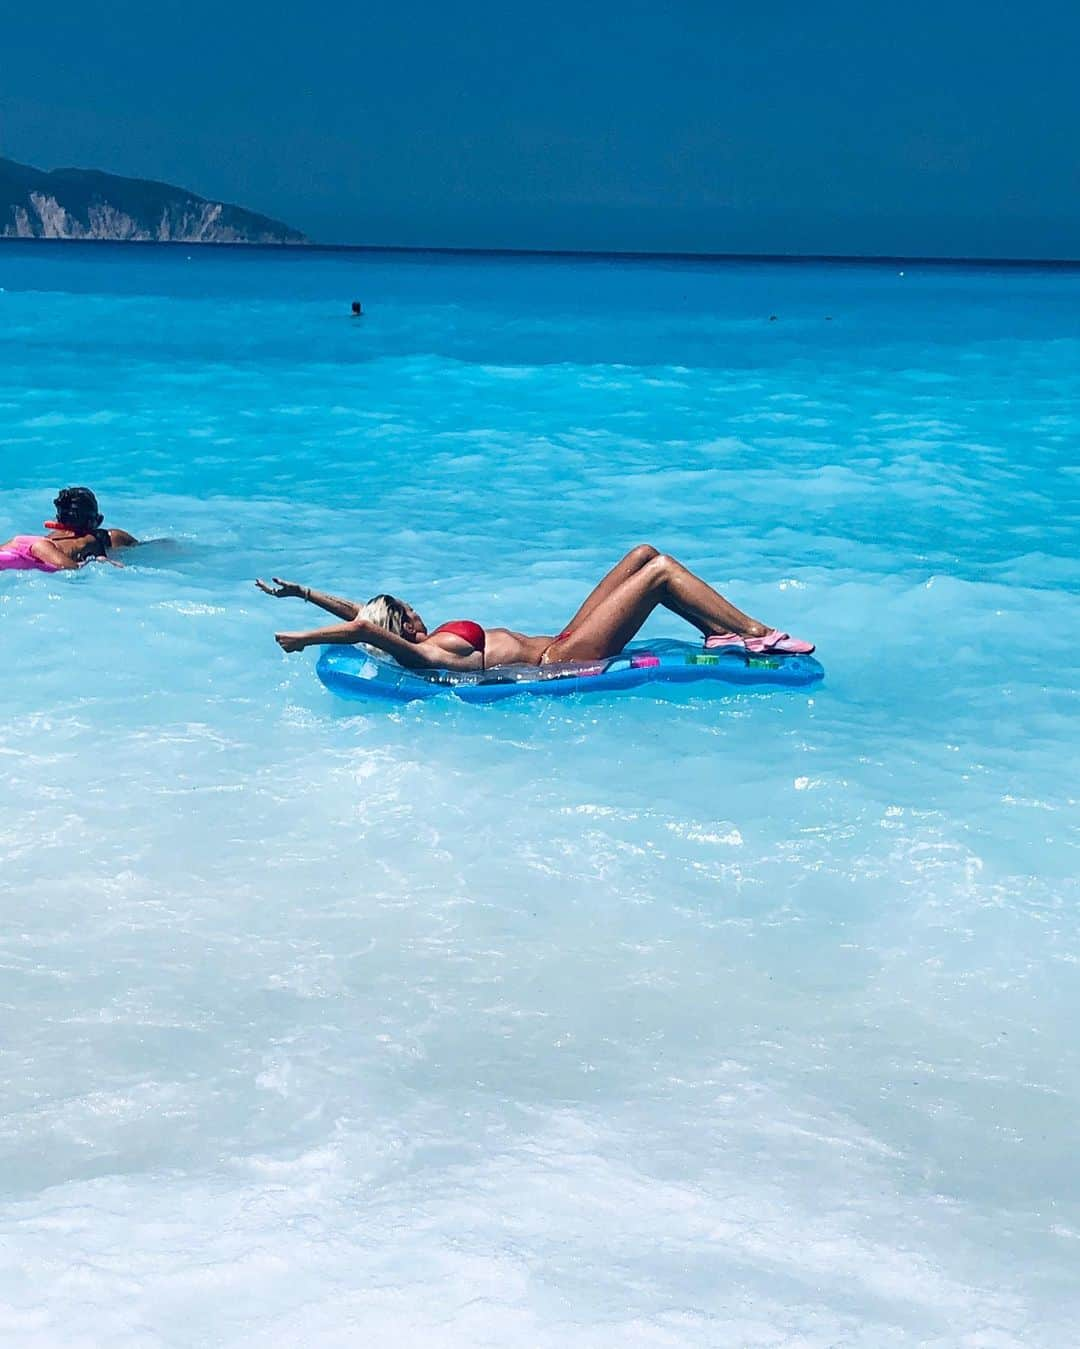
(106, 538)
(506, 647)
(501, 646)
(18, 552)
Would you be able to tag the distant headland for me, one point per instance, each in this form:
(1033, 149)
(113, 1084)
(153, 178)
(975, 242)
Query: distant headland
(88, 204)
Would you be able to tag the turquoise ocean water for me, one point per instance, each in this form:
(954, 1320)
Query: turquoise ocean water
(655, 1020)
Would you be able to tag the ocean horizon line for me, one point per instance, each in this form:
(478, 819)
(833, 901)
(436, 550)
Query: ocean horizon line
(575, 254)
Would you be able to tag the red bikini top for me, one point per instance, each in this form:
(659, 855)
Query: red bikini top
(467, 630)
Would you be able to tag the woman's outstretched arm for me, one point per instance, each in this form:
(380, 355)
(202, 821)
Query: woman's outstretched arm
(338, 634)
(344, 609)
(413, 655)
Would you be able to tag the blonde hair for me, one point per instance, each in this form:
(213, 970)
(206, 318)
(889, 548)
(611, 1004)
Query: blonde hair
(385, 611)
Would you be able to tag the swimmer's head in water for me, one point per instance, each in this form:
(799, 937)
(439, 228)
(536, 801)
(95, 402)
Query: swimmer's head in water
(77, 510)
(395, 616)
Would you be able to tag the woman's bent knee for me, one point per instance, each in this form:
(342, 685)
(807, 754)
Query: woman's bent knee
(660, 567)
(643, 553)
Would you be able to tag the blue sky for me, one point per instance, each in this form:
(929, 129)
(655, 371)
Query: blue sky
(950, 128)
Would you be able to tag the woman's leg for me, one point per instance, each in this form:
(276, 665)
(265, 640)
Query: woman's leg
(632, 563)
(619, 615)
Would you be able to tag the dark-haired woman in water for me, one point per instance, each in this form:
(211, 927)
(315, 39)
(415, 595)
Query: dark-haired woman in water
(75, 537)
(612, 615)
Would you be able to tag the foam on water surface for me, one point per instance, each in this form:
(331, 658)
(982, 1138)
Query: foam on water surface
(650, 1020)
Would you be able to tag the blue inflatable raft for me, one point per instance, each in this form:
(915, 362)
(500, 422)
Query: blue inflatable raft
(353, 672)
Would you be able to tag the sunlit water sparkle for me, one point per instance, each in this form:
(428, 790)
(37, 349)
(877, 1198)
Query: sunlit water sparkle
(661, 1019)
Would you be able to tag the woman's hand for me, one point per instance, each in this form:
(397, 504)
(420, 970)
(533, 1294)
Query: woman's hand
(290, 641)
(281, 590)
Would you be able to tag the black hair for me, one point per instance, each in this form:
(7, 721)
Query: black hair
(77, 510)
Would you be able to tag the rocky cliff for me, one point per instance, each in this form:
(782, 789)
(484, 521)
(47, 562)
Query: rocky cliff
(87, 204)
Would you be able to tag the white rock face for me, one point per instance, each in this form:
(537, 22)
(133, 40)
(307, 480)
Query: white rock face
(54, 220)
(21, 228)
(190, 220)
(106, 222)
